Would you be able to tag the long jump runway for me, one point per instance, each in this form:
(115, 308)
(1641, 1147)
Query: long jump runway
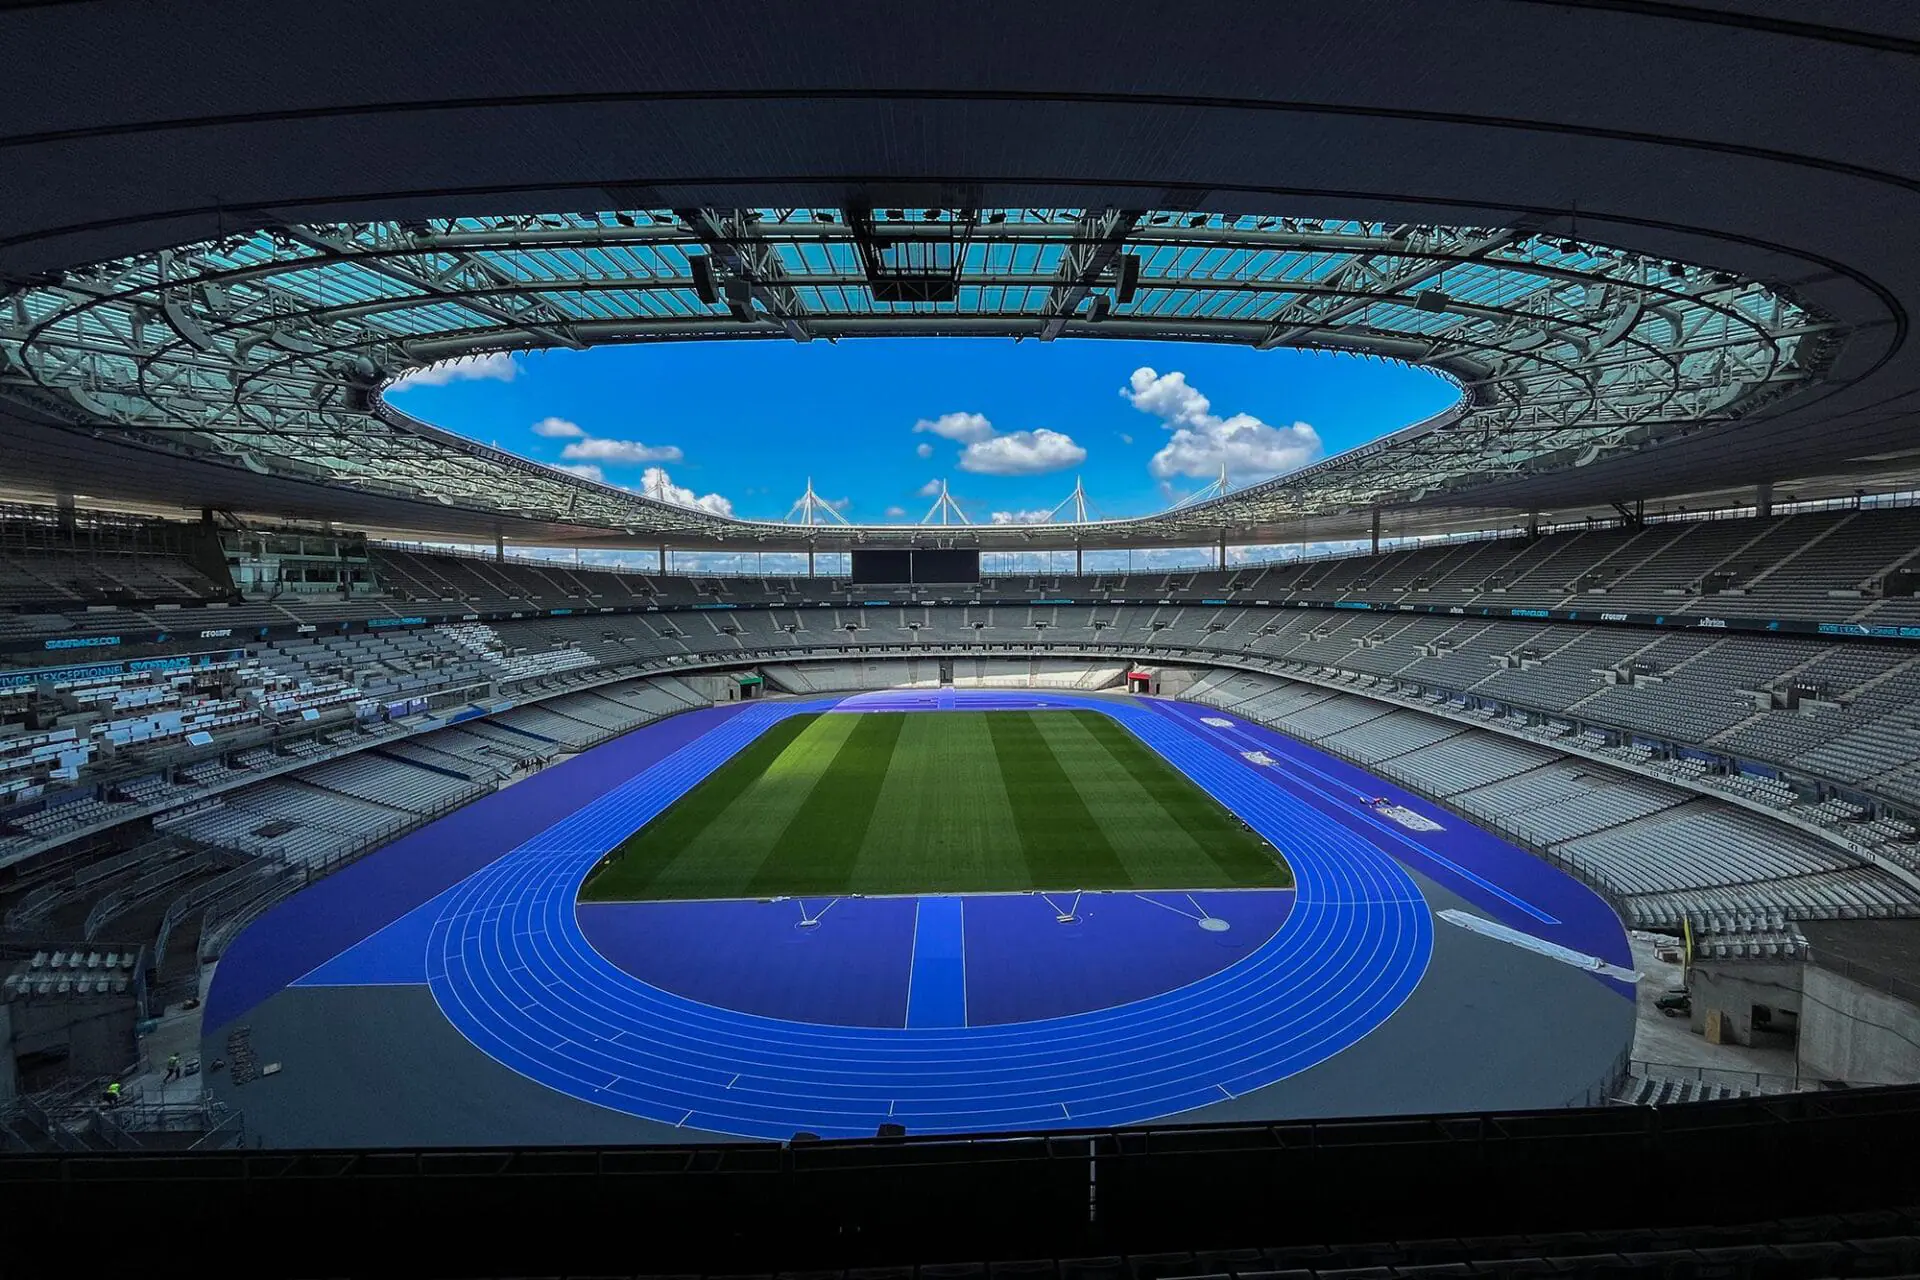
(507, 959)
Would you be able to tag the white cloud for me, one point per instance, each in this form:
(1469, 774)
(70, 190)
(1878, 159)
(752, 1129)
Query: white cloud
(894, 513)
(558, 429)
(1021, 517)
(657, 484)
(495, 366)
(585, 470)
(1202, 441)
(621, 451)
(931, 489)
(1022, 453)
(964, 427)
(1000, 453)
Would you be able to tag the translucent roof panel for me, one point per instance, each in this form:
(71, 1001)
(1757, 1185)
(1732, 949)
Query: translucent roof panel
(275, 343)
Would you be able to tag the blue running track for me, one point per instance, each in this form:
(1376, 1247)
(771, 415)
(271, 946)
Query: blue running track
(510, 967)
(509, 964)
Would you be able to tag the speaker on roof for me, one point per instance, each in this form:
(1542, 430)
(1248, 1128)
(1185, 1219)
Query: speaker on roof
(1126, 277)
(702, 268)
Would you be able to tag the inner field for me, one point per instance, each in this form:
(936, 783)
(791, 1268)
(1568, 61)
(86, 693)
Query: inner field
(938, 802)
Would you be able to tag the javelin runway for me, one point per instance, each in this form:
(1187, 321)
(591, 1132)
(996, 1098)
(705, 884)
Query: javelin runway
(508, 964)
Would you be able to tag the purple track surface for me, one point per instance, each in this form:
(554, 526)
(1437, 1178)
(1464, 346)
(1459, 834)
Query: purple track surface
(854, 967)
(1477, 865)
(733, 1017)
(359, 901)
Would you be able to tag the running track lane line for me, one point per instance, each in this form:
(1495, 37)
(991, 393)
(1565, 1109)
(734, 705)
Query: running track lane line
(1352, 950)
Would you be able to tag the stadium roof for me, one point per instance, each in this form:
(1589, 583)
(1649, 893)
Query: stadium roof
(1646, 285)
(265, 349)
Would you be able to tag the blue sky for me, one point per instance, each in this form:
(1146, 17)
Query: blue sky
(739, 426)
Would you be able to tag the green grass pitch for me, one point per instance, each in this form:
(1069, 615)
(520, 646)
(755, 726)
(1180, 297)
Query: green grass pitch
(938, 802)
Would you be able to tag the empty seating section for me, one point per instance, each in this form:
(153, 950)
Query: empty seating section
(214, 863)
(1661, 853)
(62, 734)
(38, 578)
(1831, 713)
(386, 779)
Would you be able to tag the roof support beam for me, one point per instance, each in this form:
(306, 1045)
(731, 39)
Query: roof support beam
(1411, 277)
(1097, 240)
(518, 312)
(732, 241)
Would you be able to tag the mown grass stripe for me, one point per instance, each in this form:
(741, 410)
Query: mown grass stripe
(636, 865)
(939, 802)
(816, 850)
(729, 852)
(1151, 845)
(944, 823)
(1064, 847)
(1239, 855)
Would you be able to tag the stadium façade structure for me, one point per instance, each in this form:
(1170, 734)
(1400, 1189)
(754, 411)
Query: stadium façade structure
(1648, 287)
(1658, 246)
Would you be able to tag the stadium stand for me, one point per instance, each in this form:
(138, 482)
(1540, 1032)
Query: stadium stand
(260, 824)
(1619, 752)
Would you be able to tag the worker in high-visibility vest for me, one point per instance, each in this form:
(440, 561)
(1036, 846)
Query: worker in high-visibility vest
(113, 1092)
(173, 1068)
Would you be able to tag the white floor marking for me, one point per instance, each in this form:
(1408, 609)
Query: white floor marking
(1167, 906)
(1540, 946)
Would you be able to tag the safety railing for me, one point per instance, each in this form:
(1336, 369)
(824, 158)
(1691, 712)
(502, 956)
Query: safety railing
(1760, 1082)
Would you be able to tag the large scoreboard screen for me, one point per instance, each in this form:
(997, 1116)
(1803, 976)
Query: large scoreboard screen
(900, 568)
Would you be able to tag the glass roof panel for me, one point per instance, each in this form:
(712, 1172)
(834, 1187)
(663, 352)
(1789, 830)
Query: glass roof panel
(1563, 348)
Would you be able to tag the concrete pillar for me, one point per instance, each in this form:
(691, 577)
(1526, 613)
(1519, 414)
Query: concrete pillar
(1533, 524)
(63, 514)
(499, 548)
(809, 559)
(1763, 500)
(1222, 562)
(663, 557)
(1376, 531)
(1639, 513)
(1078, 562)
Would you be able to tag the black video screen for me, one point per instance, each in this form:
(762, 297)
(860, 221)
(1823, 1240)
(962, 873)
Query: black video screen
(883, 566)
(946, 566)
(898, 568)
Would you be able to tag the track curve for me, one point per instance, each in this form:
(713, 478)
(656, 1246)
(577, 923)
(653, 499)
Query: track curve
(510, 967)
